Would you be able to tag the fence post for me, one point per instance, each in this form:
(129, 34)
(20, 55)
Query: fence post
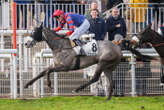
(55, 83)
(133, 93)
(20, 66)
(42, 79)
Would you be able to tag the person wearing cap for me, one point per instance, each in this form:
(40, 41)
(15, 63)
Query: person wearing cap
(73, 20)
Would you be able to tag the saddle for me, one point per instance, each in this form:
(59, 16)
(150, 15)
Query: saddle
(90, 48)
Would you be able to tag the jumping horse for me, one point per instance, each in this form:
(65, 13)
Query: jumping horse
(65, 58)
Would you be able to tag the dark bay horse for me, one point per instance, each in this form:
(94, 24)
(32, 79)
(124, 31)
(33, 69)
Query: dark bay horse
(65, 58)
(156, 40)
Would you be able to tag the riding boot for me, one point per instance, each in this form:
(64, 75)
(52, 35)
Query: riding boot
(79, 43)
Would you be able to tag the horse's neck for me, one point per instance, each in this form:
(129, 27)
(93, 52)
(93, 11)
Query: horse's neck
(155, 37)
(54, 41)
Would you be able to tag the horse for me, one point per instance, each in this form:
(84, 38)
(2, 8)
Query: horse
(156, 40)
(66, 59)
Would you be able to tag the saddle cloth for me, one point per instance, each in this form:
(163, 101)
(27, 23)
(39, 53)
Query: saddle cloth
(90, 48)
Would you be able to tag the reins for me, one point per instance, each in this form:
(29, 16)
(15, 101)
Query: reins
(157, 45)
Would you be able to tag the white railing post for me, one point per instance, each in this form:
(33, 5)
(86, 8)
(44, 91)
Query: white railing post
(20, 42)
(42, 79)
(15, 75)
(55, 83)
(133, 85)
(2, 47)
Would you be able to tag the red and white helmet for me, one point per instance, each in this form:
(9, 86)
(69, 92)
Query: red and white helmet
(57, 13)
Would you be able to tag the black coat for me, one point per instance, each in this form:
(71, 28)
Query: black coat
(113, 30)
(97, 26)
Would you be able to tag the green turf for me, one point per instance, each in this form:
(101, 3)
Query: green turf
(85, 103)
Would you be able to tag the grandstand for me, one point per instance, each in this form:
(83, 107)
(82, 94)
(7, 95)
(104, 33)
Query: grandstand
(29, 62)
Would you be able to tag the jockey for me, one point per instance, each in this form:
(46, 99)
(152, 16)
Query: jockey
(73, 20)
(161, 30)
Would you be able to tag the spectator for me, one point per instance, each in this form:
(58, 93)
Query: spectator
(112, 3)
(97, 25)
(116, 27)
(94, 5)
(138, 14)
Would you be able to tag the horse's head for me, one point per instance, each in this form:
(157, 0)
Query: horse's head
(144, 35)
(150, 36)
(36, 36)
(54, 40)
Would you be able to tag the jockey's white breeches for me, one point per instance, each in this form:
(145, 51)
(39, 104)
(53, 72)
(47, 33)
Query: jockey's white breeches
(80, 30)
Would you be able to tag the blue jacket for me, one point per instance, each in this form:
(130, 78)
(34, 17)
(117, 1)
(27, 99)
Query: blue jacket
(97, 26)
(112, 29)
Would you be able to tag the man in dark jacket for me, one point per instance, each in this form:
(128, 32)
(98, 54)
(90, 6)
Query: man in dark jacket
(116, 26)
(97, 25)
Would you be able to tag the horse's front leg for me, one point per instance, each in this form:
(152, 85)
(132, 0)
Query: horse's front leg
(46, 71)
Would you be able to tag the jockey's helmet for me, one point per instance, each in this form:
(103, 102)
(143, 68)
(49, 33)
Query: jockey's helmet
(57, 13)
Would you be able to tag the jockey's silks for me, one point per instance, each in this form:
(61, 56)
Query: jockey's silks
(73, 20)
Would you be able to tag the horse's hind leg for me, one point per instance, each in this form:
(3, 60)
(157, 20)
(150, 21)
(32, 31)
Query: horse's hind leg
(94, 79)
(108, 74)
(46, 71)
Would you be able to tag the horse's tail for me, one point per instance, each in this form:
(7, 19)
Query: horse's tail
(141, 56)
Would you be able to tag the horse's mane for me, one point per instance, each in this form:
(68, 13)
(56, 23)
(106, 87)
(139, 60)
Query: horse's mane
(53, 33)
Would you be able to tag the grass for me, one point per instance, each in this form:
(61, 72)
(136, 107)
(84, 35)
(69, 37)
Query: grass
(84, 103)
